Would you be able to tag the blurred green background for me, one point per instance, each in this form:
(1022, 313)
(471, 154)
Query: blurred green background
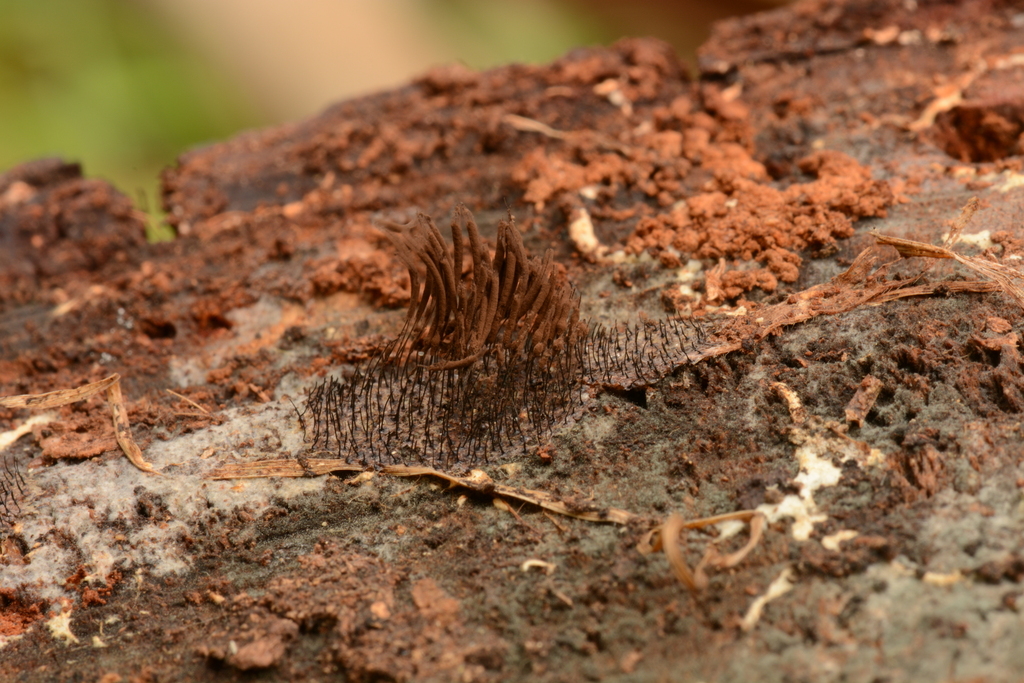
(124, 86)
(104, 83)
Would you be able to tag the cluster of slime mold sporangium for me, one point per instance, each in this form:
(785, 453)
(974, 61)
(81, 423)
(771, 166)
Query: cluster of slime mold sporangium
(485, 365)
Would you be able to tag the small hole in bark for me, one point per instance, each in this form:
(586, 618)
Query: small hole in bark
(637, 395)
(158, 329)
(979, 132)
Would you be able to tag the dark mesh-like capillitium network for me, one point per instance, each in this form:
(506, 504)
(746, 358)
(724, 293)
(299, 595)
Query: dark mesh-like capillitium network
(485, 365)
(12, 489)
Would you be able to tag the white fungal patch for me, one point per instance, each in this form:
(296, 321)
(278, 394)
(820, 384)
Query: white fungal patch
(581, 232)
(834, 541)
(815, 456)
(818, 448)
(981, 240)
(1012, 182)
(60, 628)
(9, 437)
(780, 586)
(101, 503)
